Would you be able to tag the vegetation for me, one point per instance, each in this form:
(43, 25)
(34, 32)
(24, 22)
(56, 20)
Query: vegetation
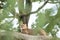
(8, 11)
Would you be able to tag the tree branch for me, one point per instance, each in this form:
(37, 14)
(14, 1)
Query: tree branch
(40, 7)
(53, 2)
(26, 37)
(37, 9)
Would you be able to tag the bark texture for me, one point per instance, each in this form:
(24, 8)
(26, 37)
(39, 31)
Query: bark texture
(27, 37)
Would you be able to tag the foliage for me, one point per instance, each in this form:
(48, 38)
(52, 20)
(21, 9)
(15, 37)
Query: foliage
(55, 38)
(6, 26)
(46, 18)
(42, 20)
(8, 36)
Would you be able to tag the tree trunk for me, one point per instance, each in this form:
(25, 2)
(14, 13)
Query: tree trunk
(27, 37)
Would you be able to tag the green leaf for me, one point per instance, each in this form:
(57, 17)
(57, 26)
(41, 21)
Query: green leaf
(28, 6)
(11, 5)
(6, 26)
(41, 20)
(21, 6)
